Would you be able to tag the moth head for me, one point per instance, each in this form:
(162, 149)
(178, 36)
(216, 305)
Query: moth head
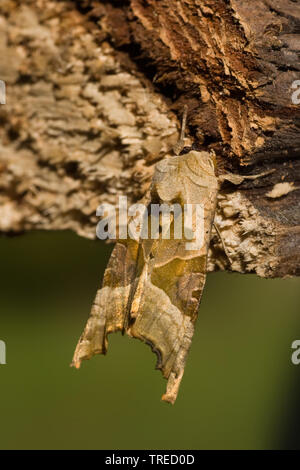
(166, 181)
(200, 163)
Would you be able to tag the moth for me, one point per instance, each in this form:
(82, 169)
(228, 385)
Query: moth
(152, 287)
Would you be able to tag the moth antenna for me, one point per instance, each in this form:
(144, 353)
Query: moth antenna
(180, 144)
(222, 241)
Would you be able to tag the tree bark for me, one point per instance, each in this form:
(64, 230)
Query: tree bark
(94, 97)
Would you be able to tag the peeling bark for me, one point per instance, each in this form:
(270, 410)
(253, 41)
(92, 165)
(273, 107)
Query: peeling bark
(94, 93)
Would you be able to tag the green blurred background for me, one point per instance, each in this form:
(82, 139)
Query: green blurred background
(239, 390)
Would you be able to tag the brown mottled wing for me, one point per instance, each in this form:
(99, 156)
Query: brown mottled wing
(110, 304)
(153, 288)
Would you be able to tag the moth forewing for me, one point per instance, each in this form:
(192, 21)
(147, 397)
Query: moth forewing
(152, 287)
(172, 290)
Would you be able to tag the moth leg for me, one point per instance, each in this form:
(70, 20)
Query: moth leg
(238, 179)
(222, 241)
(180, 144)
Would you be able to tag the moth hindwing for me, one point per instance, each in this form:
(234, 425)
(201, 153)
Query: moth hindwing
(152, 286)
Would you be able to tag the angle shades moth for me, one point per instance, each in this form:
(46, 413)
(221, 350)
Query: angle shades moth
(152, 287)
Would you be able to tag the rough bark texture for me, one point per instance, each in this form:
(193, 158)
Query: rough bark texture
(94, 93)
